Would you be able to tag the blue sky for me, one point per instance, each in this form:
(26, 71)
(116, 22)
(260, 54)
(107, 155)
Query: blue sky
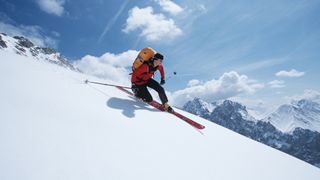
(266, 50)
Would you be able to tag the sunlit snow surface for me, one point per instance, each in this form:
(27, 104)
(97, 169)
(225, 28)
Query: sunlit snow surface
(53, 126)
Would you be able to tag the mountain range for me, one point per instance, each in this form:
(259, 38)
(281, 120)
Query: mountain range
(302, 142)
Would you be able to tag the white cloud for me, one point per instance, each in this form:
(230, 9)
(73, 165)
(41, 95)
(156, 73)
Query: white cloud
(193, 82)
(311, 94)
(54, 7)
(308, 94)
(277, 84)
(153, 27)
(291, 73)
(113, 67)
(33, 33)
(228, 85)
(170, 6)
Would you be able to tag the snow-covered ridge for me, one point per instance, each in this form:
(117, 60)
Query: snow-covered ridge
(23, 46)
(303, 113)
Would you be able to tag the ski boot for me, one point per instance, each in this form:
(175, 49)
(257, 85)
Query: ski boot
(168, 108)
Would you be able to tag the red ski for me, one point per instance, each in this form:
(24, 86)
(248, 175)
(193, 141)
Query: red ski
(157, 105)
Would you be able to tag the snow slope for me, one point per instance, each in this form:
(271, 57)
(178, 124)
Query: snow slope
(53, 126)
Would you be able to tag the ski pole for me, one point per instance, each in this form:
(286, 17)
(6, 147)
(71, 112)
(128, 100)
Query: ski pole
(105, 84)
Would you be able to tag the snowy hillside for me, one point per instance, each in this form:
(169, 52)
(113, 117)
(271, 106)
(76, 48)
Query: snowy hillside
(53, 126)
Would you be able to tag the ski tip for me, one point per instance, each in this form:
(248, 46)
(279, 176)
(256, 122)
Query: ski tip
(86, 81)
(198, 126)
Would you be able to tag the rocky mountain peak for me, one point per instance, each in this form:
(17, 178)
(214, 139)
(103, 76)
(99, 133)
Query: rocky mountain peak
(234, 106)
(24, 42)
(198, 107)
(307, 104)
(23, 46)
(2, 42)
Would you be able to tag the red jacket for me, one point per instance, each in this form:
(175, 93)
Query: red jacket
(141, 75)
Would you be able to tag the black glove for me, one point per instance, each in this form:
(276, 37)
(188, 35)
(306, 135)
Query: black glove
(162, 82)
(134, 89)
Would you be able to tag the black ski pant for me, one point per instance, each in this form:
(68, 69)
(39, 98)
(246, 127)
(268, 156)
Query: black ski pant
(144, 94)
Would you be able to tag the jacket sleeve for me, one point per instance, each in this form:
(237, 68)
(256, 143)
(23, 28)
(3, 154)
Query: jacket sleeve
(161, 69)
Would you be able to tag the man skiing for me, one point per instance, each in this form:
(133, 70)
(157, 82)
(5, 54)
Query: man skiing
(142, 78)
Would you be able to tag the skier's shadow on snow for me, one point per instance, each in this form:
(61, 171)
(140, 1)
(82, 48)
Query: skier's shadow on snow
(127, 106)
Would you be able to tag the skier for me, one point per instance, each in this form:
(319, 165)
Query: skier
(142, 78)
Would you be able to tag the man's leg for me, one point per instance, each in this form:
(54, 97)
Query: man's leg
(157, 87)
(143, 93)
